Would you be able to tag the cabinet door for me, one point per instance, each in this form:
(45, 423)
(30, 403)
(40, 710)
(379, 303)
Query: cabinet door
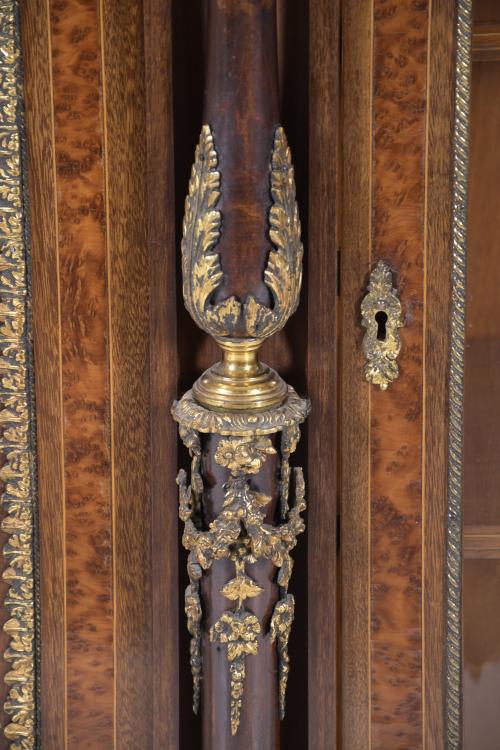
(103, 116)
(481, 453)
(404, 149)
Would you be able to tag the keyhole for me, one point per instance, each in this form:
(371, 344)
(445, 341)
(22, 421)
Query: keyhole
(381, 318)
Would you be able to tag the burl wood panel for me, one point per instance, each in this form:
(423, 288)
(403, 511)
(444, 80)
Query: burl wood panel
(78, 140)
(103, 394)
(400, 41)
(398, 62)
(47, 352)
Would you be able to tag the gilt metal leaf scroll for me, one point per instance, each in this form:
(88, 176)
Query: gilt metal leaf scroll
(201, 265)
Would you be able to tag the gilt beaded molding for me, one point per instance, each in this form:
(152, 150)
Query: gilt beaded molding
(17, 437)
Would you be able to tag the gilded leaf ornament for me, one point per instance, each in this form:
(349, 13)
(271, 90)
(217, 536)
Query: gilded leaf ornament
(201, 265)
(281, 627)
(239, 630)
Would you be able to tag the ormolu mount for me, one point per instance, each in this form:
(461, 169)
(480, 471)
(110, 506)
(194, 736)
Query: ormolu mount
(242, 508)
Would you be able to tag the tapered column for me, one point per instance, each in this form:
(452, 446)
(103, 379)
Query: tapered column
(241, 262)
(241, 107)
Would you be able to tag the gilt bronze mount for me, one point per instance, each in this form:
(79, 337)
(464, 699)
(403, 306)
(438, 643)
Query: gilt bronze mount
(382, 316)
(239, 381)
(245, 406)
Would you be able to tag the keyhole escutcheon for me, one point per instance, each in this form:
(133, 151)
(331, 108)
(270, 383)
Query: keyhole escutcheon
(381, 318)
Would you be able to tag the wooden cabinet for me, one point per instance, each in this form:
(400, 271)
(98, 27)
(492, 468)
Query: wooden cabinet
(389, 108)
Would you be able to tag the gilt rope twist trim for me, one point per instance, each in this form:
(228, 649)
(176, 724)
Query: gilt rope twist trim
(456, 376)
(16, 441)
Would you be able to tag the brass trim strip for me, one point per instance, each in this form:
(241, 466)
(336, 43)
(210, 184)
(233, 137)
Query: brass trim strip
(456, 376)
(16, 396)
(382, 316)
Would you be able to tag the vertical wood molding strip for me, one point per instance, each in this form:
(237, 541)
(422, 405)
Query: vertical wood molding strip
(17, 447)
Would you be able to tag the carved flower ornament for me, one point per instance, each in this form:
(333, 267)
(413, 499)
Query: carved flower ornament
(243, 455)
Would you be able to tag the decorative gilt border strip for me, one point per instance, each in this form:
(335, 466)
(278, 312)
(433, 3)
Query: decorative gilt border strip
(456, 376)
(16, 434)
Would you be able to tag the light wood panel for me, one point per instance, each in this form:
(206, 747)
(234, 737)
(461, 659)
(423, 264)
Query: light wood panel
(486, 42)
(108, 529)
(397, 111)
(481, 542)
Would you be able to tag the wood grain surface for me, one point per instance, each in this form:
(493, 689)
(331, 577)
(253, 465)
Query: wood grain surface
(397, 111)
(83, 303)
(322, 244)
(481, 449)
(355, 395)
(48, 383)
(481, 455)
(123, 56)
(102, 405)
(436, 358)
(164, 373)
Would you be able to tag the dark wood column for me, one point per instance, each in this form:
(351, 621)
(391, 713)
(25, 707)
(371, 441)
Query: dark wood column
(241, 107)
(241, 262)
